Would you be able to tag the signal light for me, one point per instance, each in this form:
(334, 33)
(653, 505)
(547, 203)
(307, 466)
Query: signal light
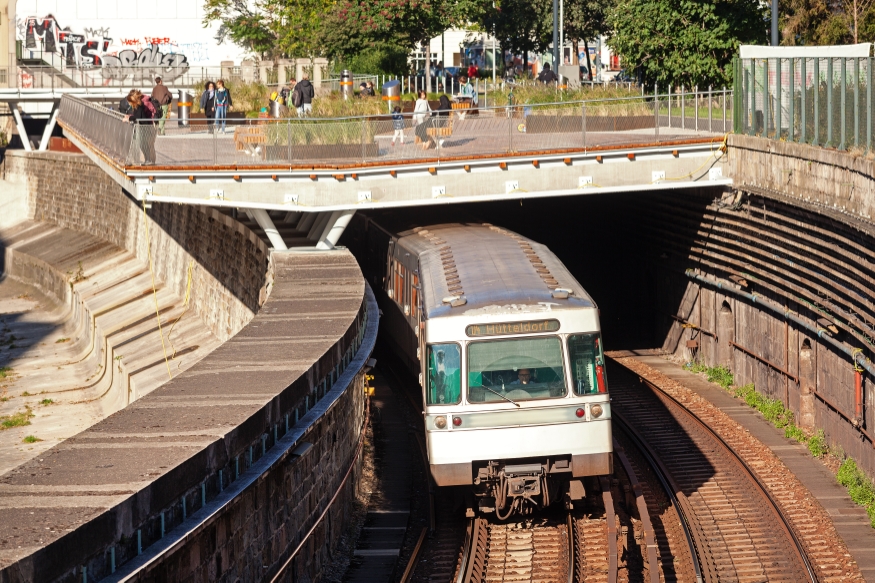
(580, 412)
(457, 421)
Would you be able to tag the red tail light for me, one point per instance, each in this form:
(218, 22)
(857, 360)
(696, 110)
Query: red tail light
(580, 412)
(457, 421)
(600, 377)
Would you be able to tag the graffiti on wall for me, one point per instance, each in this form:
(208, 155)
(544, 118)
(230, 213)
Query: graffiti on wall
(90, 51)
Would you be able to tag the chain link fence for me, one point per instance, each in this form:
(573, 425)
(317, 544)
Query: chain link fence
(820, 101)
(465, 132)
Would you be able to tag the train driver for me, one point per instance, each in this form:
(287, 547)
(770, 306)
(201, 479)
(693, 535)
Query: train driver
(524, 377)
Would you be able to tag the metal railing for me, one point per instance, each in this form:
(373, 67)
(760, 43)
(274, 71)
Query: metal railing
(104, 129)
(468, 133)
(821, 101)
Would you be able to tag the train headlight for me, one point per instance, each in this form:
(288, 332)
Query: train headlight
(596, 410)
(580, 412)
(440, 422)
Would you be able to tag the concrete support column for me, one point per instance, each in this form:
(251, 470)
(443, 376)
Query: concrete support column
(319, 66)
(334, 229)
(264, 221)
(19, 123)
(807, 384)
(50, 126)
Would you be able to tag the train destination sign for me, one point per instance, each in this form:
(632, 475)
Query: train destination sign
(502, 328)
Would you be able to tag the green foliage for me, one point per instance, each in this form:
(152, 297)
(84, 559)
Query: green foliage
(859, 486)
(688, 42)
(386, 59)
(720, 375)
(31, 439)
(25, 394)
(4, 371)
(45, 402)
(16, 419)
(817, 444)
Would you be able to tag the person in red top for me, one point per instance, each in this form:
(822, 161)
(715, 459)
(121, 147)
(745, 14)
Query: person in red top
(472, 71)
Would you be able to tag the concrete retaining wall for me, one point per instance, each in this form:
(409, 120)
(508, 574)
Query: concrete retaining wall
(231, 272)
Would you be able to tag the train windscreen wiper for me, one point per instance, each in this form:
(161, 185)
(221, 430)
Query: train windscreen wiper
(500, 395)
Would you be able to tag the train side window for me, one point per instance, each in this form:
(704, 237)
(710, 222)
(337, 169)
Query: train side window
(444, 374)
(587, 364)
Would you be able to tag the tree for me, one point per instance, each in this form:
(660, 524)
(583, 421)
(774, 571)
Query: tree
(584, 20)
(269, 28)
(685, 42)
(521, 26)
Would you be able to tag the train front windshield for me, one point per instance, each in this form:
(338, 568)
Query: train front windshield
(520, 370)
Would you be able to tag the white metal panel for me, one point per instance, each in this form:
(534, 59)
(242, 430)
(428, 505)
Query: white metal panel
(454, 447)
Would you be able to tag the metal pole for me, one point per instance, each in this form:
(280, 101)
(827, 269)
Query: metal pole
(869, 103)
(555, 34)
(774, 23)
(779, 82)
(561, 34)
(683, 107)
(843, 86)
(857, 102)
(766, 99)
(655, 108)
(583, 123)
(816, 87)
(791, 126)
(802, 101)
(696, 106)
(710, 120)
(829, 82)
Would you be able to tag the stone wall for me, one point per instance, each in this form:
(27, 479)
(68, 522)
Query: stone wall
(834, 180)
(229, 265)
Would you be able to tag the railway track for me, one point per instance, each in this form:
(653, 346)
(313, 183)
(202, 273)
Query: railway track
(737, 530)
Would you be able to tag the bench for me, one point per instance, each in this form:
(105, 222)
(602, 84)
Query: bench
(247, 138)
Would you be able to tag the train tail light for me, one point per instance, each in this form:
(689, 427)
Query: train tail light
(600, 377)
(457, 421)
(440, 422)
(580, 412)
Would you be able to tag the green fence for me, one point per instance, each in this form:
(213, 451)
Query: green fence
(820, 101)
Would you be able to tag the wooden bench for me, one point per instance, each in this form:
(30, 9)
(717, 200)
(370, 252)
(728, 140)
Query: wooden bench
(247, 138)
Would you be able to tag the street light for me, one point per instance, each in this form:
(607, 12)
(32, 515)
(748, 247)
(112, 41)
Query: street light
(555, 33)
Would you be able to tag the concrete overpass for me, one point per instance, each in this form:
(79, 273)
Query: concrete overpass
(314, 174)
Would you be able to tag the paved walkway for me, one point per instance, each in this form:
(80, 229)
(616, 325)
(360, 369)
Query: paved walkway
(850, 520)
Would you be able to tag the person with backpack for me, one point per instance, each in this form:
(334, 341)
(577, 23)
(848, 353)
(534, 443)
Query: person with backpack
(302, 96)
(547, 76)
(162, 97)
(208, 103)
(223, 105)
(144, 127)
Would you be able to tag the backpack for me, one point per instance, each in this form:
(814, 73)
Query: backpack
(151, 112)
(297, 98)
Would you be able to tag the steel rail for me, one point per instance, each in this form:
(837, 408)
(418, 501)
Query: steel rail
(785, 524)
(644, 515)
(662, 475)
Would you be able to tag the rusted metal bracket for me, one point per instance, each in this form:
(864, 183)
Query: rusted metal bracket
(693, 326)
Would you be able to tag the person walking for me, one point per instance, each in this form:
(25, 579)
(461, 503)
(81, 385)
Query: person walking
(397, 125)
(208, 103)
(223, 105)
(162, 97)
(302, 96)
(144, 126)
(421, 112)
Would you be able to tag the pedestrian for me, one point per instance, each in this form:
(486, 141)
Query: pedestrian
(123, 105)
(467, 90)
(302, 96)
(547, 76)
(208, 103)
(144, 127)
(224, 104)
(397, 125)
(162, 97)
(443, 116)
(363, 89)
(472, 71)
(369, 89)
(421, 112)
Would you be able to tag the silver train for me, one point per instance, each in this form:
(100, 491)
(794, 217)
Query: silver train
(507, 347)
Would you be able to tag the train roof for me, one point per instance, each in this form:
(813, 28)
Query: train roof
(496, 271)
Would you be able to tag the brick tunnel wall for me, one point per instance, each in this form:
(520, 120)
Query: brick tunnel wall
(231, 272)
(813, 261)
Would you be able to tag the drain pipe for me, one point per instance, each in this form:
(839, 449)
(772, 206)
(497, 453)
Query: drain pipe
(855, 353)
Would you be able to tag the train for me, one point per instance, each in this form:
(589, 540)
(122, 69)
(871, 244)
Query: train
(508, 351)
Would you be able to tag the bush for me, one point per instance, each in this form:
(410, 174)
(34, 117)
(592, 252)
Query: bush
(388, 60)
(720, 375)
(859, 486)
(817, 444)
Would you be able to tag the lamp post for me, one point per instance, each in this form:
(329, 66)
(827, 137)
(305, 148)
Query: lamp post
(774, 23)
(555, 33)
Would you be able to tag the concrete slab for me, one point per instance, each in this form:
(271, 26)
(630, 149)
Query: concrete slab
(849, 519)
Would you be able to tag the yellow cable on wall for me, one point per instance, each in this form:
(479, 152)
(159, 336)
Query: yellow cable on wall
(184, 310)
(155, 291)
